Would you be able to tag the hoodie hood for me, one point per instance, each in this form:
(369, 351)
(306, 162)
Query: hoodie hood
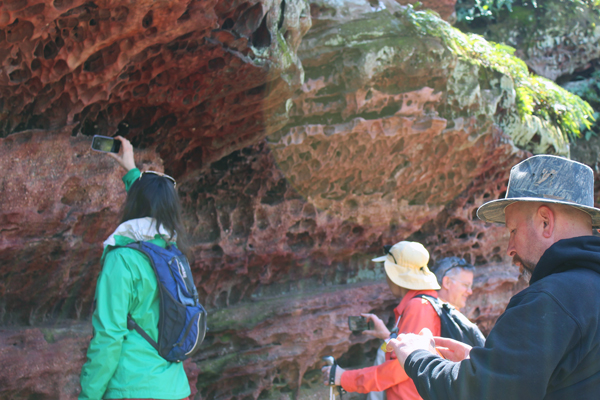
(138, 230)
(574, 253)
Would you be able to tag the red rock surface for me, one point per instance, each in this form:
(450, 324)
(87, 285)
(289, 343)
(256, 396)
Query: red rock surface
(59, 202)
(42, 361)
(47, 361)
(149, 69)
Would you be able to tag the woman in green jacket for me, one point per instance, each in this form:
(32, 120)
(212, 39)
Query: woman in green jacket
(121, 364)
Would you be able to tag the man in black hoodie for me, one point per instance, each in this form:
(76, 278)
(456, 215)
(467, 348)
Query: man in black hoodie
(546, 345)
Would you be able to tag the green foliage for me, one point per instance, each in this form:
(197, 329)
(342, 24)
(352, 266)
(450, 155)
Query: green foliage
(589, 90)
(487, 11)
(484, 9)
(543, 98)
(535, 96)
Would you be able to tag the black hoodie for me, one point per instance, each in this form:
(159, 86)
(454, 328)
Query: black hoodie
(546, 345)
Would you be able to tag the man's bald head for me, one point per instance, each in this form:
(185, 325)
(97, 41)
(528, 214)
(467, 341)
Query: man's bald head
(568, 221)
(535, 226)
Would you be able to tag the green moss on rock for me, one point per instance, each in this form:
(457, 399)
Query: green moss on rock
(544, 108)
(403, 51)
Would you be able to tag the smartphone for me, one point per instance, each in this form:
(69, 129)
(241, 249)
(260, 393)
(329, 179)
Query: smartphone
(358, 324)
(105, 144)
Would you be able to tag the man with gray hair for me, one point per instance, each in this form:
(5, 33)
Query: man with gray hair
(546, 345)
(455, 277)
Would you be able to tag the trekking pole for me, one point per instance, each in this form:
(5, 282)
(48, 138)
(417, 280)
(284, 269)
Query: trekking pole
(329, 360)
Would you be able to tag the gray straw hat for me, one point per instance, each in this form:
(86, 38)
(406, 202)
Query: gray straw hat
(547, 179)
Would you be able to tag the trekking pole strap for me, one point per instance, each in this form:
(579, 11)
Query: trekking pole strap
(332, 374)
(339, 389)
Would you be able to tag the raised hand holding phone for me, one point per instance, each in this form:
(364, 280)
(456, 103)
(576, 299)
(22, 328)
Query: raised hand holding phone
(359, 324)
(125, 155)
(379, 329)
(105, 144)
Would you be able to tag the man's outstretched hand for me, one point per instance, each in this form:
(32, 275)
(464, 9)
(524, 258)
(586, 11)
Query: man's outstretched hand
(125, 155)
(451, 349)
(406, 343)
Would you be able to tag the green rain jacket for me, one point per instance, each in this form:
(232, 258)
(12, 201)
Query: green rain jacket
(121, 363)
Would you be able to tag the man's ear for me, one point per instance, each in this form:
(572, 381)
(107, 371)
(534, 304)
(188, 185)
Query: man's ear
(445, 282)
(546, 217)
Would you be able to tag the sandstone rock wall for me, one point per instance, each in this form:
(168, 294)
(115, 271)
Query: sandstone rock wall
(150, 69)
(59, 201)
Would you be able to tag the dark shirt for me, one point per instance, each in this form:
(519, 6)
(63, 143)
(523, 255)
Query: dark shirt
(546, 345)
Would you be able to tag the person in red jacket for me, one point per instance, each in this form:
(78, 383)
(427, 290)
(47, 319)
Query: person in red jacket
(408, 276)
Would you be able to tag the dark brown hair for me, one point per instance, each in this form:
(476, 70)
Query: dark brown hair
(155, 196)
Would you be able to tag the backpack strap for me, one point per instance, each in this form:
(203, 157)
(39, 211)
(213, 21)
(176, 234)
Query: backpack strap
(454, 324)
(435, 303)
(131, 324)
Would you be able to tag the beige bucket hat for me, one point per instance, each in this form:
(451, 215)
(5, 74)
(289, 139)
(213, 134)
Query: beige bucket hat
(406, 265)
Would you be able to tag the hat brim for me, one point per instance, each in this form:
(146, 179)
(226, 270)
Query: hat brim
(493, 211)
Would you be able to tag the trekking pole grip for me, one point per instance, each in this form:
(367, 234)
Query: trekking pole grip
(329, 360)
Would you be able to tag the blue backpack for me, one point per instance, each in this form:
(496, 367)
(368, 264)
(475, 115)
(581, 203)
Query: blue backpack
(182, 319)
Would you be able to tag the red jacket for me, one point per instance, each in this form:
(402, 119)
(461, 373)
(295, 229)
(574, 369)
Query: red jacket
(390, 376)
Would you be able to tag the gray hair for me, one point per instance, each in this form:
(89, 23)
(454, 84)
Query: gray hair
(450, 266)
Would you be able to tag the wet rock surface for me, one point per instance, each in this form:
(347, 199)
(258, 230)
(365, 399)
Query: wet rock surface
(299, 153)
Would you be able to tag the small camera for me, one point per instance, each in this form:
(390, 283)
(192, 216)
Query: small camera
(359, 324)
(105, 144)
